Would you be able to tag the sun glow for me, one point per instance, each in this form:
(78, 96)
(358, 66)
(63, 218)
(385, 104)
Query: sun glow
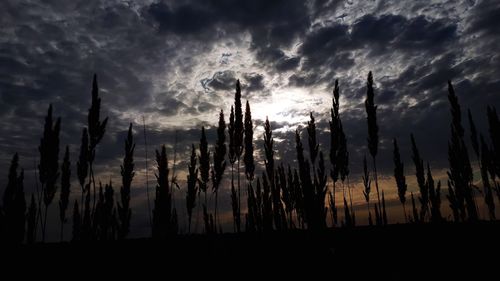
(289, 105)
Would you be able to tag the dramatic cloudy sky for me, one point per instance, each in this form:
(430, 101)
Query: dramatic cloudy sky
(176, 62)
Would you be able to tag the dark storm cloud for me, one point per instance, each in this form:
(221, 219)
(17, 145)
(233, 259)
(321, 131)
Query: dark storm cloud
(45, 60)
(220, 81)
(484, 18)
(255, 82)
(225, 82)
(331, 46)
(287, 63)
(270, 25)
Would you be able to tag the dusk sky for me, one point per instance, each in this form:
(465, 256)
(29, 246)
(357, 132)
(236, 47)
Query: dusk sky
(175, 63)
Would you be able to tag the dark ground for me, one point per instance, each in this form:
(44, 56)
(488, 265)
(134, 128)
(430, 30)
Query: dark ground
(395, 252)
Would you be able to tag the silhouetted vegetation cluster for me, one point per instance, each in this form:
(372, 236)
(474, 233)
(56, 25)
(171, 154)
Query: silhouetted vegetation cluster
(281, 198)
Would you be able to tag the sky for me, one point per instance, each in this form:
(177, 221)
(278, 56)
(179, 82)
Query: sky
(175, 63)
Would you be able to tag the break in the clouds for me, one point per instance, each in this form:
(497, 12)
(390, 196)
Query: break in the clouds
(176, 62)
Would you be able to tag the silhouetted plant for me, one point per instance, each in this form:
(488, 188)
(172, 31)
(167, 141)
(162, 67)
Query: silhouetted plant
(302, 191)
(371, 112)
(251, 216)
(162, 211)
(367, 188)
(384, 213)
(65, 189)
(77, 224)
(420, 175)
(453, 204)
(285, 186)
(343, 163)
(127, 173)
(333, 209)
(219, 159)
(208, 219)
(460, 173)
(146, 169)
(231, 130)
(268, 212)
(416, 217)
(309, 206)
(14, 204)
(104, 219)
(378, 215)
(312, 141)
(49, 162)
(267, 205)
(235, 208)
(232, 159)
(319, 175)
(494, 130)
(434, 197)
(248, 156)
(109, 225)
(473, 134)
(175, 221)
(83, 163)
(485, 163)
(399, 175)
(320, 183)
(96, 129)
(334, 147)
(248, 159)
(279, 216)
(173, 184)
(238, 143)
(259, 206)
(31, 221)
(347, 215)
(86, 225)
(192, 190)
(288, 196)
(204, 160)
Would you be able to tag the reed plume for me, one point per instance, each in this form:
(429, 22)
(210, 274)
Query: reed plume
(460, 173)
(420, 175)
(48, 167)
(248, 158)
(162, 211)
(127, 173)
(373, 139)
(219, 159)
(434, 197)
(96, 129)
(334, 147)
(238, 142)
(399, 175)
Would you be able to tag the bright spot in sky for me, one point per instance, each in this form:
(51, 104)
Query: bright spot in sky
(288, 105)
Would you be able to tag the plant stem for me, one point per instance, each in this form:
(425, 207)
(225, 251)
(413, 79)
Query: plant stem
(376, 179)
(147, 178)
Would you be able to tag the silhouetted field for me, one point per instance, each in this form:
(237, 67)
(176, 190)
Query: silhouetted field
(290, 207)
